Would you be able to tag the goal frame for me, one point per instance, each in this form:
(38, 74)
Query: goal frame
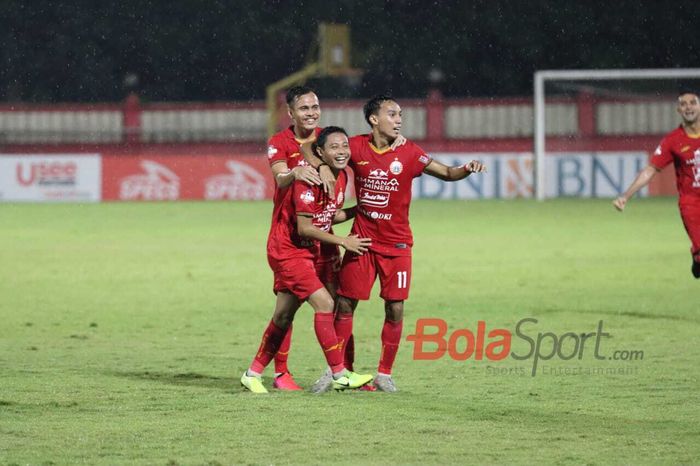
(542, 76)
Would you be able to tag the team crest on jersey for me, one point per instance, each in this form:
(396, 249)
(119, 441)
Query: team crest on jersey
(396, 167)
(340, 199)
(271, 151)
(307, 197)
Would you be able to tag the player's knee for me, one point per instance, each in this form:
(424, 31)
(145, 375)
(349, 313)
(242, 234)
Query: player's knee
(393, 310)
(321, 302)
(345, 305)
(283, 319)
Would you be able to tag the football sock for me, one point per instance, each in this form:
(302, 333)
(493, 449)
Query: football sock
(350, 354)
(391, 338)
(343, 330)
(325, 333)
(283, 353)
(271, 340)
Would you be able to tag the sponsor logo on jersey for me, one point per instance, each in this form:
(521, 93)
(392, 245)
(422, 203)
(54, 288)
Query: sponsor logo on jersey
(271, 151)
(157, 184)
(378, 174)
(685, 148)
(396, 167)
(242, 182)
(294, 155)
(379, 185)
(374, 198)
(362, 162)
(307, 197)
(379, 216)
(696, 168)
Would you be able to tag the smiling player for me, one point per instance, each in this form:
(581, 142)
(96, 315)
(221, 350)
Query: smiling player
(682, 147)
(383, 181)
(303, 226)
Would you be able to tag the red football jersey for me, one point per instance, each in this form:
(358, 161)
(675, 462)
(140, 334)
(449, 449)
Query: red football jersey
(383, 181)
(284, 241)
(684, 152)
(283, 146)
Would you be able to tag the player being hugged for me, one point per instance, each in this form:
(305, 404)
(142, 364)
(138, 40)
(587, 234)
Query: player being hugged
(383, 181)
(298, 263)
(682, 148)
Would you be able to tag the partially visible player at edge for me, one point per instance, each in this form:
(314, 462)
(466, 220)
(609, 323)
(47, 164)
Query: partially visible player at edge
(303, 226)
(383, 181)
(682, 147)
(287, 165)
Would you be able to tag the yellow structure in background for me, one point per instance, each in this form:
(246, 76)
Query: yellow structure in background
(332, 58)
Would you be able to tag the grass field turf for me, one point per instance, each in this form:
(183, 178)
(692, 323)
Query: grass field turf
(124, 329)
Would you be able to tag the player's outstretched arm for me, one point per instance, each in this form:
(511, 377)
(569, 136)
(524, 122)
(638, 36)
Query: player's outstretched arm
(284, 176)
(445, 173)
(324, 171)
(344, 215)
(642, 179)
(351, 243)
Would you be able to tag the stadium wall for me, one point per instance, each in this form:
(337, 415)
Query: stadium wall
(168, 151)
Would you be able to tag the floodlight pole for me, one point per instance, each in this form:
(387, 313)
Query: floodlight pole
(573, 75)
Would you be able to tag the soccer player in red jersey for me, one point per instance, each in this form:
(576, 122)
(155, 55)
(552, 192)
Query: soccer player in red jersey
(682, 147)
(296, 258)
(383, 182)
(287, 165)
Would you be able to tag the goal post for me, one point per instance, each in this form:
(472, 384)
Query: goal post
(542, 77)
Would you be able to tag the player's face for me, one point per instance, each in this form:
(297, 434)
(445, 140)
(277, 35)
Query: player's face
(305, 111)
(689, 108)
(336, 151)
(389, 119)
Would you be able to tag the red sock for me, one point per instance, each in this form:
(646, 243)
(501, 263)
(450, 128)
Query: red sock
(350, 353)
(271, 340)
(283, 353)
(325, 333)
(391, 338)
(343, 329)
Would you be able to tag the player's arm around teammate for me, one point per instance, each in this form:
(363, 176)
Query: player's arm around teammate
(296, 272)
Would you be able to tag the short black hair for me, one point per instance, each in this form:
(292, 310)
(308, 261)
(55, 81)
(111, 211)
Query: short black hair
(325, 132)
(372, 105)
(687, 90)
(296, 92)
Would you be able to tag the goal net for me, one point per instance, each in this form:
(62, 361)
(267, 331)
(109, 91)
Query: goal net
(595, 129)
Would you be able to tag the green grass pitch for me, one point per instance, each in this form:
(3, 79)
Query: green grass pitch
(124, 329)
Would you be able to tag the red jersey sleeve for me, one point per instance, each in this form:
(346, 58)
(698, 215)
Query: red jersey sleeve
(304, 198)
(275, 150)
(662, 155)
(421, 160)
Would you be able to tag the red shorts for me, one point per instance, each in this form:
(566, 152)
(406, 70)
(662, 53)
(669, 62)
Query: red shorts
(301, 276)
(690, 213)
(358, 273)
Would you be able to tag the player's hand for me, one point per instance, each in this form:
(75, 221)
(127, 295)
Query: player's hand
(357, 245)
(327, 179)
(475, 167)
(306, 174)
(620, 203)
(398, 142)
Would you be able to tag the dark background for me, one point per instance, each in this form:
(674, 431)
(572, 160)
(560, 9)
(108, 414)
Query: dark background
(55, 51)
